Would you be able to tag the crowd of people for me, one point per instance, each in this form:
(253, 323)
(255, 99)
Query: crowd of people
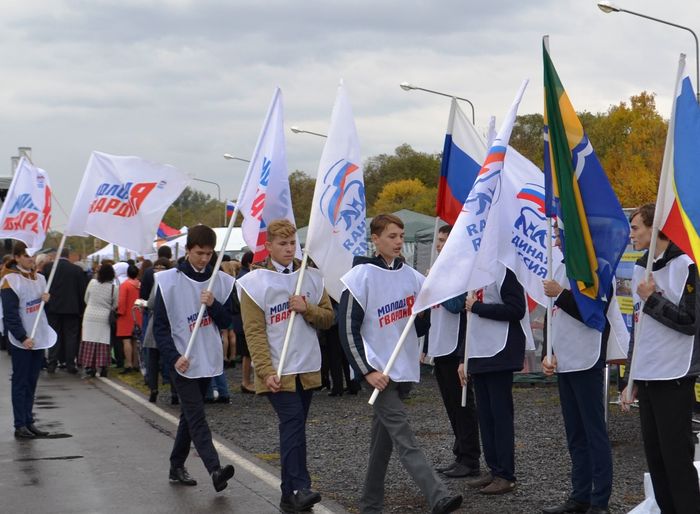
(139, 317)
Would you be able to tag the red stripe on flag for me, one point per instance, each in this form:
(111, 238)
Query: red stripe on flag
(675, 231)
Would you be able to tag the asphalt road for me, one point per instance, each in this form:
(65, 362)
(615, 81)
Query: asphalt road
(108, 453)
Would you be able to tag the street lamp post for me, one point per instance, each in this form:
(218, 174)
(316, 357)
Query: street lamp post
(230, 157)
(608, 7)
(218, 189)
(297, 130)
(408, 87)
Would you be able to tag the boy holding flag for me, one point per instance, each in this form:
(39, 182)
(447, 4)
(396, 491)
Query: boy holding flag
(372, 314)
(267, 300)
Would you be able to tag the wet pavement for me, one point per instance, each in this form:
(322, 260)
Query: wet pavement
(108, 453)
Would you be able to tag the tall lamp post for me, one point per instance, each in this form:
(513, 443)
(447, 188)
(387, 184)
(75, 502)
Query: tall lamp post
(608, 7)
(230, 157)
(408, 87)
(218, 188)
(298, 130)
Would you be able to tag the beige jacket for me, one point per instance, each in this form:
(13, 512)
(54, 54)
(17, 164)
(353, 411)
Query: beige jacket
(319, 316)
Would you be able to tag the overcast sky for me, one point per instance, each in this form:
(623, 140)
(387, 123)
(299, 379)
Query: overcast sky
(184, 81)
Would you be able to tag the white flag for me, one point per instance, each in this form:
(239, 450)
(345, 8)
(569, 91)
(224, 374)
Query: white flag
(461, 266)
(337, 229)
(121, 200)
(265, 193)
(26, 211)
(516, 233)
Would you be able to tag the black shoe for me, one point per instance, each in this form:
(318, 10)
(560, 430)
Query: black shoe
(223, 399)
(103, 372)
(335, 393)
(569, 505)
(597, 510)
(461, 471)
(34, 430)
(24, 433)
(445, 467)
(448, 504)
(51, 367)
(181, 476)
(153, 396)
(300, 501)
(72, 370)
(174, 400)
(221, 476)
(125, 371)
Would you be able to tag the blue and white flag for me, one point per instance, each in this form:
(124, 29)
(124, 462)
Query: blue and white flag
(337, 227)
(461, 251)
(266, 195)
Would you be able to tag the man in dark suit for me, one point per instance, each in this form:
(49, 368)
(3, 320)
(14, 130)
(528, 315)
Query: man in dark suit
(65, 309)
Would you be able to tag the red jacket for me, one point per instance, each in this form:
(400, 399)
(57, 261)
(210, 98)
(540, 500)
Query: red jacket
(128, 294)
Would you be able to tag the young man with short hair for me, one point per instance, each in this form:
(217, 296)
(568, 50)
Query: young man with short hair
(664, 363)
(180, 293)
(578, 358)
(374, 310)
(267, 301)
(448, 324)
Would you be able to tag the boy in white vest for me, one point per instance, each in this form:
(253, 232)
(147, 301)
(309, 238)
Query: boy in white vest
(373, 312)
(181, 291)
(448, 324)
(267, 301)
(664, 363)
(496, 350)
(578, 358)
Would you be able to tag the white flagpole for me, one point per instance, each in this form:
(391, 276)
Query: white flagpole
(466, 359)
(288, 334)
(395, 354)
(550, 300)
(48, 285)
(215, 272)
(665, 170)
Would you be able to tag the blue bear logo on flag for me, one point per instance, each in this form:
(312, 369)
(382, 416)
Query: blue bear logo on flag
(344, 199)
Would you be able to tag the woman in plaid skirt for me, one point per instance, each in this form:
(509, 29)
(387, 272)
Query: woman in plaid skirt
(100, 298)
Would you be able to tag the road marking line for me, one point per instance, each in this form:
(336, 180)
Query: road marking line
(224, 450)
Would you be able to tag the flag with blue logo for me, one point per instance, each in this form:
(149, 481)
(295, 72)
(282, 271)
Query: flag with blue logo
(26, 211)
(593, 228)
(337, 226)
(463, 152)
(265, 194)
(678, 201)
(461, 266)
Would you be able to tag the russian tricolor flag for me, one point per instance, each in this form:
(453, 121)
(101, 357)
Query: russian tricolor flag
(230, 207)
(164, 231)
(678, 201)
(462, 155)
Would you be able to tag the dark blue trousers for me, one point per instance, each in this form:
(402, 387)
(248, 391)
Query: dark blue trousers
(494, 406)
(193, 427)
(292, 410)
(581, 397)
(26, 365)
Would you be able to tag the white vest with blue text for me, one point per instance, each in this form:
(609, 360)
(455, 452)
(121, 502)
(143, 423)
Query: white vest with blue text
(29, 293)
(387, 297)
(270, 291)
(661, 353)
(181, 296)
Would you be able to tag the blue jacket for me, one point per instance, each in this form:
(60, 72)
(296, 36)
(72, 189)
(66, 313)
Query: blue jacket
(221, 314)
